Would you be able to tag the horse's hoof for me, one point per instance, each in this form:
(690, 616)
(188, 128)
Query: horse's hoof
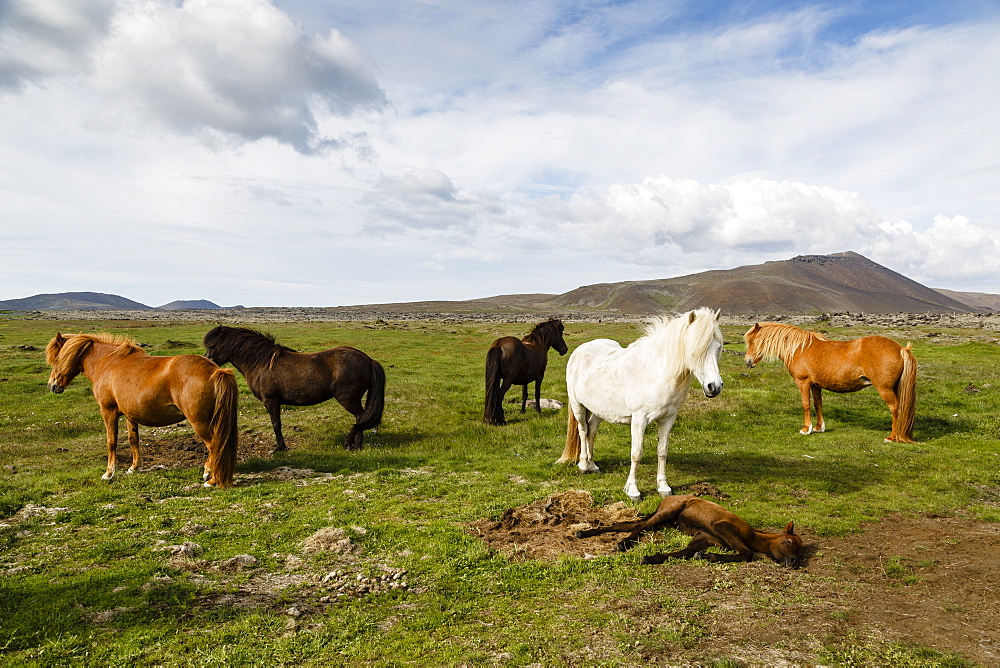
(130, 471)
(806, 432)
(208, 484)
(665, 492)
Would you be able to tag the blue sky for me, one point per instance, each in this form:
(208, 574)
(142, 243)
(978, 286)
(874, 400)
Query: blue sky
(313, 153)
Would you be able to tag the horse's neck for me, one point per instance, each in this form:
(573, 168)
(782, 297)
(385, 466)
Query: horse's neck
(536, 343)
(761, 541)
(94, 360)
(661, 357)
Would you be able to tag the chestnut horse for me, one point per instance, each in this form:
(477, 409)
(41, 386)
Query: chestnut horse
(510, 361)
(818, 364)
(152, 391)
(644, 383)
(281, 376)
(709, 524)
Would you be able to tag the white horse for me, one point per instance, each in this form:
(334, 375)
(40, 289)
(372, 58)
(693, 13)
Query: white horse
(643, 383)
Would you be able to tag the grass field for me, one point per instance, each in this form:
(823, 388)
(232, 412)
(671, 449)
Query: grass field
(155, 569)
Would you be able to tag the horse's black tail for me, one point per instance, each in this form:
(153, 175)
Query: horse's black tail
(375, 401)
(493, 409)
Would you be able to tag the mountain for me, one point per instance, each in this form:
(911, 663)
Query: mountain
(73, 301)
(806, 284)
(188, 304)
(976, 300)
(803, 284)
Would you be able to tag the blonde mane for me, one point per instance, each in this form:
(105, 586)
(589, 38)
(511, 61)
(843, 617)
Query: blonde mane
(778, 341)
(703, 322)
(65, 357)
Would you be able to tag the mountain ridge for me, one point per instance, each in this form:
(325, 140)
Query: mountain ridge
(804, 284)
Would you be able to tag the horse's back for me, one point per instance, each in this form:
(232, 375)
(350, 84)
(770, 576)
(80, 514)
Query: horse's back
(160, 390)
(847, 366)
(596, 379)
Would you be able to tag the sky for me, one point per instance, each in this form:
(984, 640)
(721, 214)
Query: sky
(314, 153)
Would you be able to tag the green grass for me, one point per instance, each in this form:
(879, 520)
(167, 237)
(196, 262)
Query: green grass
(87, 581)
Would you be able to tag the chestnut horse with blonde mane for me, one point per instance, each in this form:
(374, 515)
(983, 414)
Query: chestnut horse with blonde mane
(154, 392)
(818, 364)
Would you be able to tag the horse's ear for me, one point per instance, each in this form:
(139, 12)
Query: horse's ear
(691, 317)
(718, 314)
(790, 528)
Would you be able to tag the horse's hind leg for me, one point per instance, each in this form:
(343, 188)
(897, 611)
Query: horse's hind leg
(355, 436)
(697, 544)
(892, 401)
(538, 394)
(524, 398)
(133, 441)
(588, 434)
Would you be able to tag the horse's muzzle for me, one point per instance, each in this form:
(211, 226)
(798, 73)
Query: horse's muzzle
(750, 362)
(713, 390)
(56, 388)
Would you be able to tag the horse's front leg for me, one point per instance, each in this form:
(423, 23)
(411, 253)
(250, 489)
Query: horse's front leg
(804, 390)
(817, 396)
(111, 416)
(662, 443)
(133, 442)
(273, 407)
(638, 430)
(538, 395)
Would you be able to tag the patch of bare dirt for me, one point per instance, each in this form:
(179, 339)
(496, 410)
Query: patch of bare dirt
(920, 580)
(177, 447)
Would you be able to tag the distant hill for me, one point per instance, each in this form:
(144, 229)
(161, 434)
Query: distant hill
(806, 284)
(803, 284)
(73, 301)
(975, 299)
(189, 304)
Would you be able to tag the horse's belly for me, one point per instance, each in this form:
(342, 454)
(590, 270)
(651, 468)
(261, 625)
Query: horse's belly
(160, 417)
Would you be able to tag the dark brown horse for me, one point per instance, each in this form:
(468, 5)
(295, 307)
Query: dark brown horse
(510, 361)
(281, 376)
(152, 391)
(708, 524)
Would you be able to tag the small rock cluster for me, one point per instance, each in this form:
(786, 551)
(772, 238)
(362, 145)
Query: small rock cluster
(344, 584)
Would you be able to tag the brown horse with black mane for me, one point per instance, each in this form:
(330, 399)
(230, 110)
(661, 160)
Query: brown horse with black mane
(281, 376)
(152, 391)
(818, 364)
(510, 361)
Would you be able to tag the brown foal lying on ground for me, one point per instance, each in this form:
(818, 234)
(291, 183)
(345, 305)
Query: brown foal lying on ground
(709, 524)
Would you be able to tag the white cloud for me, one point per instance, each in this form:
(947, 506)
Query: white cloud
(223, 70)
(44, 38)
(477, 154)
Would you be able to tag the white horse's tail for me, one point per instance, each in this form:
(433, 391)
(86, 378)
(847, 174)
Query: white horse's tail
(572, 451)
